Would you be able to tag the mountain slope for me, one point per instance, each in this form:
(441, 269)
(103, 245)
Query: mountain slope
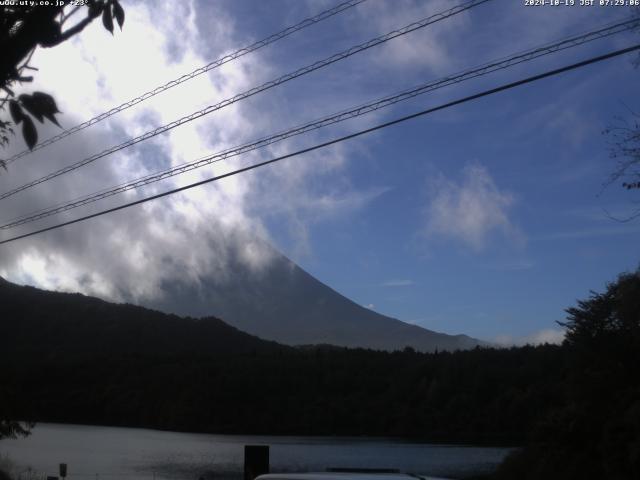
(286, 304)
(34, 321)
(76, 359)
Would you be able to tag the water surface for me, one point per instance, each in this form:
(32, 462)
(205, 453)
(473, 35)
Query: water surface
(111, 453)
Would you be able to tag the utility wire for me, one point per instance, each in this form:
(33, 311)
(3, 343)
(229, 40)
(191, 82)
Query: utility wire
(476, 96)
(363, 109)
(265, 86)
(199, 71)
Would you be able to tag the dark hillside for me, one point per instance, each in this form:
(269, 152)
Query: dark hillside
(71, 358)
(35, 322)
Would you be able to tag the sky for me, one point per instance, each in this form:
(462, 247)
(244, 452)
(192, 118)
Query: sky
(488, 218)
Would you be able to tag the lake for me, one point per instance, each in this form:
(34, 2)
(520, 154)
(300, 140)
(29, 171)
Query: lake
(111, 453)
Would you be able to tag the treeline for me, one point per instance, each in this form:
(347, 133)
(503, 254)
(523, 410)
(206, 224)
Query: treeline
(575, 407)
(71, 358)
(477, 396)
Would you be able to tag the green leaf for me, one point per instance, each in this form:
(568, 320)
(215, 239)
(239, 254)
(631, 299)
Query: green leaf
(29, 132)
(16, 111)
(118, 12)
(107, 20)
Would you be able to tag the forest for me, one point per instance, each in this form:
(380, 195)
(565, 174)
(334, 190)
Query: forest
(575, 408)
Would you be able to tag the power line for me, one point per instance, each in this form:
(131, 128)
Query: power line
(337, 140)
(265, 86)
(484, 69)
(199, 71)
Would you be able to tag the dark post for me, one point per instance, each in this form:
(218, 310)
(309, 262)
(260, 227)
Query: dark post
(256, 461)
(63, 470)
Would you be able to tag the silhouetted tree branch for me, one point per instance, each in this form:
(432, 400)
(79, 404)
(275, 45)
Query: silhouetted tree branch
(624, 137)
(22, 30)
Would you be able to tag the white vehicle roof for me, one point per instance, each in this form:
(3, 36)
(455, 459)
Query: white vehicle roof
(344, 476)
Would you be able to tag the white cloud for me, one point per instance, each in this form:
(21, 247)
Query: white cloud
(547, 335)
(398, 283)
(132, 254)
(470, 211)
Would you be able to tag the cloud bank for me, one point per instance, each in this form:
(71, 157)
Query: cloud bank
(130, 255)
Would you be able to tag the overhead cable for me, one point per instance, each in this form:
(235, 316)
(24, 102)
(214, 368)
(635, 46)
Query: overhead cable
(336, 140)
(198, 71)
(253, 91)
(360, 110)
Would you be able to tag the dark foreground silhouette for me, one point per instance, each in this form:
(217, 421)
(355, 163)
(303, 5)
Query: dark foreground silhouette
(576, 407)
(595, 433)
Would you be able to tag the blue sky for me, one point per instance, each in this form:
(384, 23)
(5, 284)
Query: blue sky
(486, 219)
